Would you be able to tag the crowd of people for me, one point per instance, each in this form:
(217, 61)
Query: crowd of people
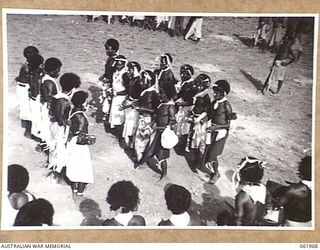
(173, 25)
(150, 112)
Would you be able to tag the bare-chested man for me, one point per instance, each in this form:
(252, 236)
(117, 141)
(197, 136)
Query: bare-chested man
(289, 52)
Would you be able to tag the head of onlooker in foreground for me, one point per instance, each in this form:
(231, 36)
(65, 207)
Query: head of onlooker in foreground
(38, 212)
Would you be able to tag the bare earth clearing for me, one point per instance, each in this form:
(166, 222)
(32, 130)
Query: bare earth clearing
(277, 129)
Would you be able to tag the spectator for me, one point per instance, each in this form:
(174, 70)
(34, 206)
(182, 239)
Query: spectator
(38, 212)
(288, 53)
(178, 201)
(193, 30)
(123, 196)
(251, 199)
(18, 196)
(296, 199)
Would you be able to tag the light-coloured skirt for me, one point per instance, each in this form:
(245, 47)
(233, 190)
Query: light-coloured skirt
(23, 101)
(35, 116)
(183, 127)
(142, 136)
(130, 123)
(197, 138)
(78, 162)
(116, 115)
(45, 132)
(58, 152)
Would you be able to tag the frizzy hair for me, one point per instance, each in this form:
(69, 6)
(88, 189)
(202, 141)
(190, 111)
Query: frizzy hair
(35, 213)
(178, 199)
(124, 195)
(18, 178)
(68, 81)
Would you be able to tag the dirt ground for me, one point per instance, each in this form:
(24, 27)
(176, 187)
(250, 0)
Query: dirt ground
(277, 129)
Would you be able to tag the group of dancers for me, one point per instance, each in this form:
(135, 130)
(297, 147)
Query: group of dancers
(141, 107)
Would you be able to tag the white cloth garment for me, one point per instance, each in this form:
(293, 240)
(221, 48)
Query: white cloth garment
(183, 127)
(45, 133)
(124, 218)
(35, 108)
(256, 192)
(78, 162)
(116, 115)
(23, 101)
(195, 29)
(180, 220)
(130, 124)
(57, 153)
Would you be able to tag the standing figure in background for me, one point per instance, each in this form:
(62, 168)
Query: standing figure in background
(36, 74)
(138, 21)
(219, 116)
(105, 81)
(149, 99)
(260, 38)
(79, 170)
(49, 88)
(292, 26)
(59, 112)
(133, 87)
(109, 19)
(193, 30)
(175, 26)
(288, 53)
(184, 104)
(22, 90)
(124, 196)
(92, 18)
(276, 34)
(161, 23)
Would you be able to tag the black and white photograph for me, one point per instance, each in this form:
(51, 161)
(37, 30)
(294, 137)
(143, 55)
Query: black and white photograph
(158, 120)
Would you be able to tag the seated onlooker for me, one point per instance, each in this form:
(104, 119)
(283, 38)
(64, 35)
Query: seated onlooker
(18, 180)
(123, 196)
(38, 212)
(178, 201)
(91, 212)
(250, 201)
(296, 199)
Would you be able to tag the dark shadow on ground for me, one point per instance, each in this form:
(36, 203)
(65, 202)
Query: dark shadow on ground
(130, 152)
(247, 41)
(191, 160)
(181, 146)
(215, 209)
(95, 103)
(255, 82)
(152, 164)
(91, 212)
